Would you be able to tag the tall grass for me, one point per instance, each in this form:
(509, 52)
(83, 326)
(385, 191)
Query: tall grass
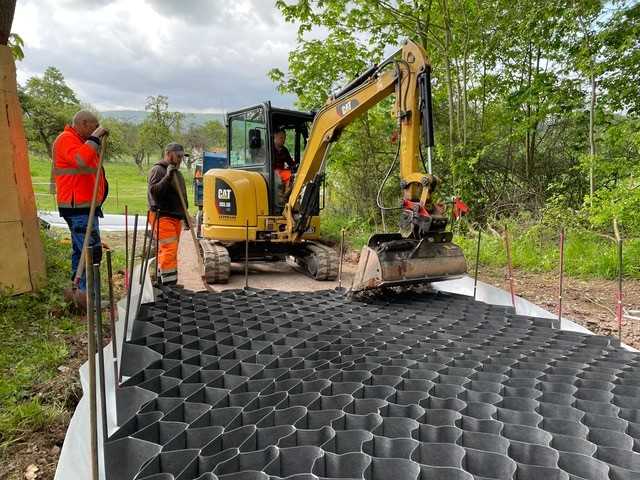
(587, 255)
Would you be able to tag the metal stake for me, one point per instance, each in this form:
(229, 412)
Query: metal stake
(93, 413)
(112, 318)
(126, 246)
(509, 266)
(475, 275)
(101, 376)
(341, 258)
(145, 264)
(144, 246)
(561, 286)
(158, 248)
(620, 274)
(246, 256)
(132, 261)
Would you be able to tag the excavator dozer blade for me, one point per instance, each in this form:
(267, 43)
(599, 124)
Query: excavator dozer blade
(390, 260)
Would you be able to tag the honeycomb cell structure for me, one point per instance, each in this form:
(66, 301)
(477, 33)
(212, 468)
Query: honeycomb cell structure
(266, 385)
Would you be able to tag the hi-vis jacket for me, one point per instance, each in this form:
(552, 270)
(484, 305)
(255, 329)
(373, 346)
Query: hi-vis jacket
(75, 163)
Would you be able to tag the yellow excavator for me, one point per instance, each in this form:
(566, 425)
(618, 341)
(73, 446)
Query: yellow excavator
(243, 204)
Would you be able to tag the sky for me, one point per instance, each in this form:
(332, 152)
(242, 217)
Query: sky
(205, 55)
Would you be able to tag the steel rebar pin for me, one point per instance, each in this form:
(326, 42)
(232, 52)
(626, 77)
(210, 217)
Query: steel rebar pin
(509, 266)
(475, 275)
(112, 318)
(341, 258)
(144, 245)
(620, 274)
(144, 265)
(99, 343)
(91, 343)
(246, 256)
(126, 246)
(132, 262)
(561, 285)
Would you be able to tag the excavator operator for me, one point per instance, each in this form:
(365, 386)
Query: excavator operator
(283, 166)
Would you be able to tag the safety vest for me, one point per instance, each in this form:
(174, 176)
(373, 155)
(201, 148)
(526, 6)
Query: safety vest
(75, 163)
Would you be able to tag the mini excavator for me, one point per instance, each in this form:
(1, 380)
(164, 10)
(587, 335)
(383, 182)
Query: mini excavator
(244, 215)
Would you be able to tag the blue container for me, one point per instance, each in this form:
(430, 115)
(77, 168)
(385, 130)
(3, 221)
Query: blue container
(210, 160)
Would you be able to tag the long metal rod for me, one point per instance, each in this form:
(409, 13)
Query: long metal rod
(341, 258)
(561, 281)
(92, 214)
(246, 256)
(112, 318)
(144, 246)
(131, 261)
(97, 287)
(620, 275)
(475, 275)
(509, 266)
(158, 248)
(126, 246)
(91, 342)
(144, 265)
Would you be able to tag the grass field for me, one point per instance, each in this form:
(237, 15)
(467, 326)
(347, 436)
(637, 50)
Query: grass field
(127, 186)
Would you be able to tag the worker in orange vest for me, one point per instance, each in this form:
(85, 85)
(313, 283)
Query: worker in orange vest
(75, 165)
(283, 166)
(166, 207)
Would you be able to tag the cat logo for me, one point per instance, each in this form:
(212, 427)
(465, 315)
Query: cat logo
(346, 107)
(224, 194)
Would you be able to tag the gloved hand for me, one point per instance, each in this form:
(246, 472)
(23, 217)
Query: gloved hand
(100, 132)
(171, 168)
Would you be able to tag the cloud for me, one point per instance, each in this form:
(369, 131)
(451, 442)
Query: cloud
(204, 55)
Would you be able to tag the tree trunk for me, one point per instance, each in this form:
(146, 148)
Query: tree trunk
(7, 10)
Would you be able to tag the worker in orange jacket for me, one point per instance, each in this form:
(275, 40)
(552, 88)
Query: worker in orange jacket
(165, 207)
(75, 165)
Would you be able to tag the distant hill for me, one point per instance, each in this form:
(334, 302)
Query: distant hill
(138, 116)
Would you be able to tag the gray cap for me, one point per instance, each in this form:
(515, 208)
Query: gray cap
(174, 147)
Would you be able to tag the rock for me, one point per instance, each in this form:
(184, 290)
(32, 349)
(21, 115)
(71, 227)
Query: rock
(31, 473)
(55, 451)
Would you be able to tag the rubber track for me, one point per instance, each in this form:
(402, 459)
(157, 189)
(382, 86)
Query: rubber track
(327, 259)
(217, 263)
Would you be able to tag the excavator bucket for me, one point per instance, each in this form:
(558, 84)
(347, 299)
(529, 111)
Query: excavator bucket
(390, 260)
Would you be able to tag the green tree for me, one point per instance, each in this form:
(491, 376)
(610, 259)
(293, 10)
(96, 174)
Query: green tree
(48, 103)
(161, 125)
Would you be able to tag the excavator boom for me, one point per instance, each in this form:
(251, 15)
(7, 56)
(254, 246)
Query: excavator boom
(423, 251)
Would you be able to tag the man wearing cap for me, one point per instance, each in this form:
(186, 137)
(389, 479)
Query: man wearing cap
(165, 205)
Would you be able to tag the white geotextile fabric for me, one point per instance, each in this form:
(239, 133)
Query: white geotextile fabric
(74, 457)
(108, 223)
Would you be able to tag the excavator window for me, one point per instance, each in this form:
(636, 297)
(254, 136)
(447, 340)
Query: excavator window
(248, 138)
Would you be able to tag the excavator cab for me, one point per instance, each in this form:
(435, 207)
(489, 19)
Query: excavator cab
(250, 144)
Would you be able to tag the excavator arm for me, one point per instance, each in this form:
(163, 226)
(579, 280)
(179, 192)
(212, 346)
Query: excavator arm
(401, 74)
(423, 252)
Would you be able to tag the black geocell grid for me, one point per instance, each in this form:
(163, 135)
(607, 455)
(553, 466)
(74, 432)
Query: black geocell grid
(260, 384)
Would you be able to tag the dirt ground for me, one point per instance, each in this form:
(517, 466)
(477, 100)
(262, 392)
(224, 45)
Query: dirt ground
(588, 302)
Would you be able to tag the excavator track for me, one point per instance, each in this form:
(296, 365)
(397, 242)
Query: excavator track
(320, 262)
(217, 263)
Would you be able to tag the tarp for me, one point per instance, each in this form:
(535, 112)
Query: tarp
(75, 454)
(109, 223)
